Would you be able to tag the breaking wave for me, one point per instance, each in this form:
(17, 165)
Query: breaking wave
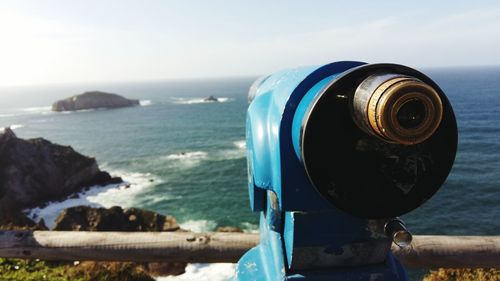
(199, 100)
(7, 115)
(242, 144)
(204, 272)
(187, 159)
(188, 155)
(199, 225)
(123, 195)
(38, 109)
(13, 127)
(145, 102)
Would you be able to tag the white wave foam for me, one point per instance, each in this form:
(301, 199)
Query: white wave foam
(199, 100)
(199, 225)
(83, 110)
(16, 126)
(123, 195)
(38, 109)
(231, 154)
(41, 120)
(126, 194)
(239, 152)
(187, 160)
(188, 155)
(7, 115)
(189, 101)
(204, 272)
(242, 144)
(193, 158)
(44, 110)
(249, 227)
(13, 127)
(145, 102)
(75, 111)
(51, 211)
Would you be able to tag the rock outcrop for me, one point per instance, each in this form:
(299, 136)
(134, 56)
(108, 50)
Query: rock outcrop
(210, 99)
(92, 100)
(84, 218)
(36, 171)
(13, 219)
(229, 229)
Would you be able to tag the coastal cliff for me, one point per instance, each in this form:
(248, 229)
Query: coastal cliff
(92, 100)
(36, 171)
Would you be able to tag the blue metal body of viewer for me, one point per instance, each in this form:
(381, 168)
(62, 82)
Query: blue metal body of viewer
(314, 158)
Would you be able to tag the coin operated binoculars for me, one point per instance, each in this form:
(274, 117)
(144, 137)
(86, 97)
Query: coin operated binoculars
(335, 154)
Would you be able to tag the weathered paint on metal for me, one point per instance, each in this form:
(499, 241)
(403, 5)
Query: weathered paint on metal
(303, 237)
(316, 240)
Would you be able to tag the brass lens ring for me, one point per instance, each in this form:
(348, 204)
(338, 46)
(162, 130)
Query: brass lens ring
(373, 102)
(401, 109)
(394, 98)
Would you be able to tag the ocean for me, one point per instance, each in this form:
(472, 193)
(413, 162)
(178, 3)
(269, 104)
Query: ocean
(186, 157)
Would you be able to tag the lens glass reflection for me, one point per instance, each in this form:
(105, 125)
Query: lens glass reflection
(402, 238)
(411, 114)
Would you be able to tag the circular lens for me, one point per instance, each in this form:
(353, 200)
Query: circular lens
(397, 108)
(411, 114)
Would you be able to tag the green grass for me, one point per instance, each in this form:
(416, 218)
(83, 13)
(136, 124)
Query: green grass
(32, 270)
(35, 270)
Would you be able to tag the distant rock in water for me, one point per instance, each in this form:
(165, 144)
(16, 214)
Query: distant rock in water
(36, 171)
(211, 99)
(91, 100)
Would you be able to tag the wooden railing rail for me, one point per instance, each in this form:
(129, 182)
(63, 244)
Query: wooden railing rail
(426, 251)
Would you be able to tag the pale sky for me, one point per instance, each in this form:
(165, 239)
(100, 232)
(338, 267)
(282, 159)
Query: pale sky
(44, 42)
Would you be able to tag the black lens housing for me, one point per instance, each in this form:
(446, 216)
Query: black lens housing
(362, 174)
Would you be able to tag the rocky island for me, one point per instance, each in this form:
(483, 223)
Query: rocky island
(93, 100)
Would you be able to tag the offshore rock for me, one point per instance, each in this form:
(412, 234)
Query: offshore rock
(36, 171)
(210, 99)
(92, 100)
